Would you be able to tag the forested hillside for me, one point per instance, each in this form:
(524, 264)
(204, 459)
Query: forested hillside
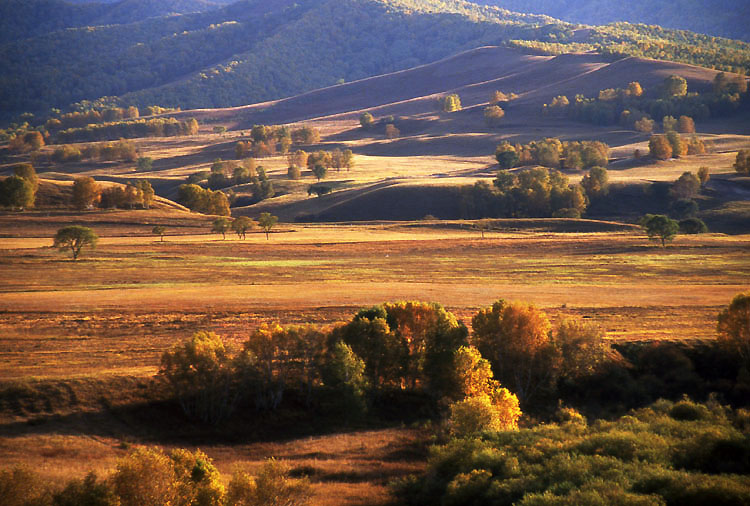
(252, 51)
(725, 18)
(22, 19)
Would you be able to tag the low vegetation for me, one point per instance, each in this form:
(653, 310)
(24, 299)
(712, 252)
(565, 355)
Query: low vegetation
(149, 476)
(668, 453)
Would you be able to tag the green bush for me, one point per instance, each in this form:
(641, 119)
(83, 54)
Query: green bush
(86, 492)
(648, 457)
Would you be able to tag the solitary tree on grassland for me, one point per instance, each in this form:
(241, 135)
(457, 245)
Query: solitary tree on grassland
(160, 231)
(319, 171)
(451, 103)
(267, 221)
(660, 227)
(366, 120)
(220, 226)
(74, 238)
(241, 225)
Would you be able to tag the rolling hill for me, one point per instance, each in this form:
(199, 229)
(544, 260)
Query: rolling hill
(473, 74)
(724, 18)
(253, 51)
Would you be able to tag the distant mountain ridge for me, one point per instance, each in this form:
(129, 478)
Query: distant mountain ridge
(724, 18)
(252, 50)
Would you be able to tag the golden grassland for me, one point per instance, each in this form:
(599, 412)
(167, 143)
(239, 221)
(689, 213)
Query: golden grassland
(84, 337)
(120, 306)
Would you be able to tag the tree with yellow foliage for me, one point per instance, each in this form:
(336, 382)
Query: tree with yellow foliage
(515, 338)
(483, 405)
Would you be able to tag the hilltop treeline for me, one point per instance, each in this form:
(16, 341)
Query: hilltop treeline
(725, 18)
(632, 104)
(155, 127)
(253, 51)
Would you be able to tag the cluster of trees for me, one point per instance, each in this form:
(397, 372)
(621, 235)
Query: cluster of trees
(497, 97)
(225, 173)
(149, 476)
(536, 192)
(514, 357)
(683, 208)
(138, 194)
(270, 140)
(19, 190)
(673, 451)
(25, 142)
(155, 127)
(632, 108)
(553, 153)
(673, 145)
(202, 200)
(387, 124)
(241, 225)
(79, 119)
(122, 149)
(87, 193)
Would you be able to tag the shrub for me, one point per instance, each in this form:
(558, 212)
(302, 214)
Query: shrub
(145, 476)
(293, 172)
(693, 226)
(366, 120)
(684, 208)
(86, 492)
(492, 115)
(271, 487)
(451, 103)
(482, 413)
(19, 486)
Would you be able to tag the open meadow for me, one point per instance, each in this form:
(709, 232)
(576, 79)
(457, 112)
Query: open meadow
(81, 340)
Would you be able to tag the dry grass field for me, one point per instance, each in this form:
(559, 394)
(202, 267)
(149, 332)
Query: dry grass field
(78, 339)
